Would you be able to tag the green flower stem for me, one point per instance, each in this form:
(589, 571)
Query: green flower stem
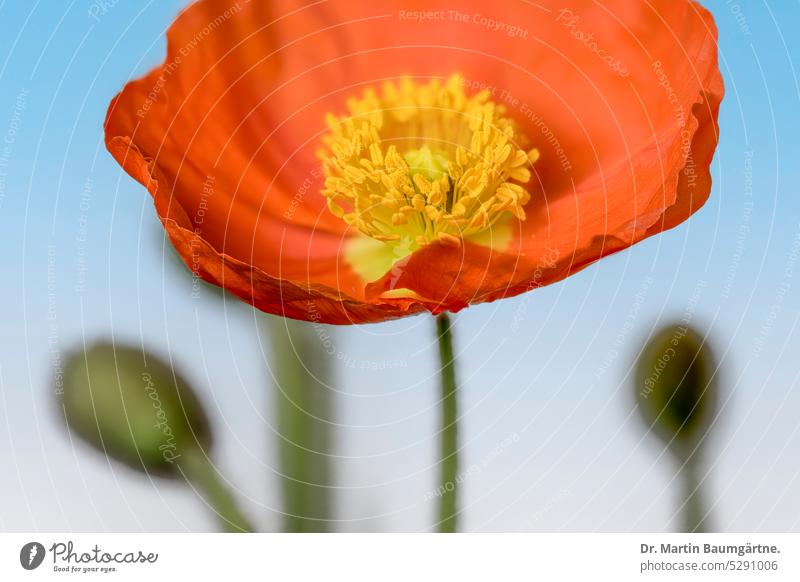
(695, 517)
(300, 367)
(200, 471)
(449, 434)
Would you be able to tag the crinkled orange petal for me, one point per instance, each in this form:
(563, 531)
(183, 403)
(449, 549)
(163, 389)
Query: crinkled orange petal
(620, 97)
(281, 296)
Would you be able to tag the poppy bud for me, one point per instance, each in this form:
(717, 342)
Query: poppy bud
(133, 407)
(675, 387)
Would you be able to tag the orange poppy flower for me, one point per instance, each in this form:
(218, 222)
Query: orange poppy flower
(356, 161)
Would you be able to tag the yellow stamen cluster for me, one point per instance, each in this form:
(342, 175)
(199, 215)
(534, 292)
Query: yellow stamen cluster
(421, 163)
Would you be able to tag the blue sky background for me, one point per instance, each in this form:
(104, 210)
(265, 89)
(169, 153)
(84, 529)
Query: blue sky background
(548, 417)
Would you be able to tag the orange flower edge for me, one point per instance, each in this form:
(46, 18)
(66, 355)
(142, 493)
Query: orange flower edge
(597, 129)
